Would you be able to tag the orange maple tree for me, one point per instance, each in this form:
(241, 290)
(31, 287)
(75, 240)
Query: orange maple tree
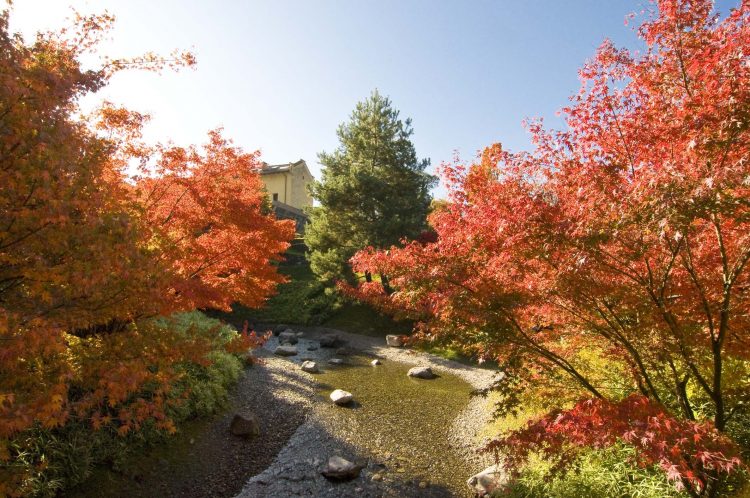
(87, 249)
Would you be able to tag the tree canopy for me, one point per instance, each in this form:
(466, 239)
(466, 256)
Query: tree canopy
(374, 191)
(621, 241)
(89, 246)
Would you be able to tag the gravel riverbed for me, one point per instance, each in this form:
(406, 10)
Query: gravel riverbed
(300, 429)
(296, 469)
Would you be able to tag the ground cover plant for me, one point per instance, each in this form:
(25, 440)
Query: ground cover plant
(607, 268)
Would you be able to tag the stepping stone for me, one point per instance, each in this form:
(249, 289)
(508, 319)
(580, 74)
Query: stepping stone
(309, 367)
(341, 469)
(491, 479)
(279, 329)
(421, 373)
(288, 336)
(341, 397)
(394, 341)
(285, 350)
(329, 341)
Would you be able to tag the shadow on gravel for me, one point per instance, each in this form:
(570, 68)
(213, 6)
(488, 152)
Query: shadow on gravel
(297, 471)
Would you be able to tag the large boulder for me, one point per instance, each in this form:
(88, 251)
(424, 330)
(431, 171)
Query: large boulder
(341, 397)
(285, 350)
(288, 337)
(309, 367)
(421, 373)
(394, 341)
(279, 329)
(246, 425)
(329, 341)
(341, 469)
(491, 479)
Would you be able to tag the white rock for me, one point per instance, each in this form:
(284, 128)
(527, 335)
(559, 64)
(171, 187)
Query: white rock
(394, 341)
(421, 373)
(376, 362)
(341, 468)
(341, 397)
(309, 367)
(488, 481)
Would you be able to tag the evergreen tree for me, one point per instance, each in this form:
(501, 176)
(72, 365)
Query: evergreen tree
(374, 190)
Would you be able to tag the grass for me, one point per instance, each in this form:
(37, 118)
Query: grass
(303, 300)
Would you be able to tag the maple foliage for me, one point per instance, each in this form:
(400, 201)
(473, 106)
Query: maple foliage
(207, 212)
(90, 254)
(625, 236)
(690, 453)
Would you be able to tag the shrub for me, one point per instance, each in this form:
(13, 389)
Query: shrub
(607, 472)
(45, 461)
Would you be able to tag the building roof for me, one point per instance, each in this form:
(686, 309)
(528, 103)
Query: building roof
(269, 169)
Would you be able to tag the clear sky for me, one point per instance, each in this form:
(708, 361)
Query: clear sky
(280, 75)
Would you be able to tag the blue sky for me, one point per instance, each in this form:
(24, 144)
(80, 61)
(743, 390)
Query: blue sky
(280, 75)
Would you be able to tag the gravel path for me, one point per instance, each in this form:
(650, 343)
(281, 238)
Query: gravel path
(296, 469)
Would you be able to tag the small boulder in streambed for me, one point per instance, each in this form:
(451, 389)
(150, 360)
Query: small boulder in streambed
(336, 361)
(279, 329)
(341, 397)
(329, 341)
(309, 367)
(245, 425)
(341, 469)
(394, 341)
(491, 479)
(376, 362)
(285, 350)
(288, 336)
(421, 373)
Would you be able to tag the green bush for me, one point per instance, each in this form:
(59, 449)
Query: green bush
(610, 472)
(58, 459)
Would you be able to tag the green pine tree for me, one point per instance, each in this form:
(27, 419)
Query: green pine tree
(374, 190)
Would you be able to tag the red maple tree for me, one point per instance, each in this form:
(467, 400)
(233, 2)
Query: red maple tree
(625, 238)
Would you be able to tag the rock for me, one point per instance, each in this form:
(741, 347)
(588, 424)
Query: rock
(329, 340)
(423, 484)
(288, 336)
(341, 397)
(421, 373)
(285, 350)
(491, 479)
(377, 477)
(246, 425)
(394, 341)
(336, 361)
(376, 362)
(300, 334)
(341, 469)
(312, 347)
(310, 367)
(279, 329)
